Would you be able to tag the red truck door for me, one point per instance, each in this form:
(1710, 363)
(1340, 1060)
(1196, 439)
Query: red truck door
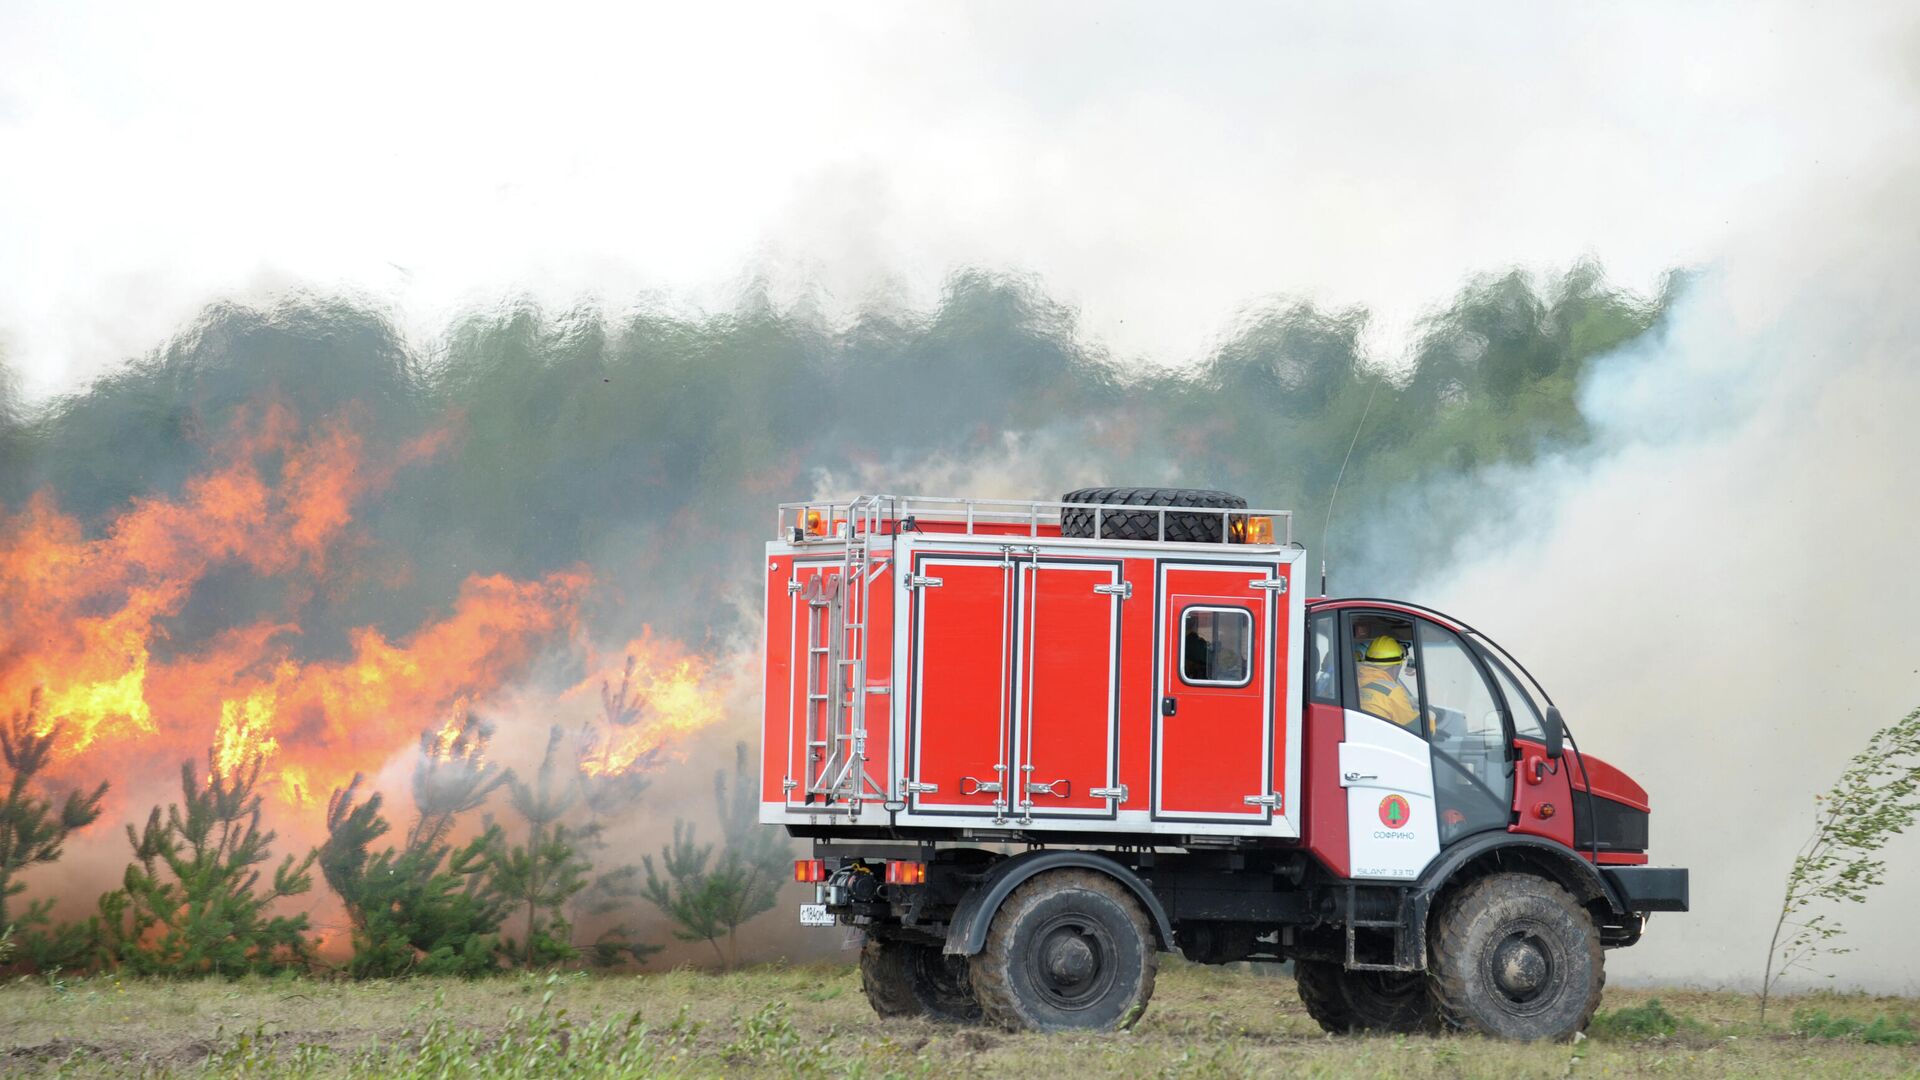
(962, 684)
(1212, 749)
(1067, 687)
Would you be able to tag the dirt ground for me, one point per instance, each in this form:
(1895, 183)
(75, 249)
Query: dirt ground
(812, 1021)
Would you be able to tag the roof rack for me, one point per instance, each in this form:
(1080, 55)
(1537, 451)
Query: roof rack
(872, 514)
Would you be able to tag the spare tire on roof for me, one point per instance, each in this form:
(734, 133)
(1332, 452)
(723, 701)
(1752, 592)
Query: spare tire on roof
(1181, 526)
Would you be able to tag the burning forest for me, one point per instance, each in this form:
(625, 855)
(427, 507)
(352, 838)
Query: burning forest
(407, 657)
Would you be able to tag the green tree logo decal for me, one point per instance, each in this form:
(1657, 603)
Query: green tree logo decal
(1394, 811)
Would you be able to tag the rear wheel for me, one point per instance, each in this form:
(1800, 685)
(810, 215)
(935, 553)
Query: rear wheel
(903, 978)
(1516, 957)
(1069, 950)
(1343, 1001)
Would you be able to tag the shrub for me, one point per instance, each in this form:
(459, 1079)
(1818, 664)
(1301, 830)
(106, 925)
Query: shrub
(1880, 1031)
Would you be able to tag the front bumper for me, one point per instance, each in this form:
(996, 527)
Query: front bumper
(1649, 888)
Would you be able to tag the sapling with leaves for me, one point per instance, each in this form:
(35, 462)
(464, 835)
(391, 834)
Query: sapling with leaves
(1876, 798)
(33, 830)
(193, 901)
(543, 874)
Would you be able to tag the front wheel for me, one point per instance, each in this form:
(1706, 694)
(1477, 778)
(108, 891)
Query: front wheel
(1516, 957)
(906, 978)
(1070, 950)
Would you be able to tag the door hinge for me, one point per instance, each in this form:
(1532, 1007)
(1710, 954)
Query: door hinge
(1262, 800)
(1117, 794)
(794, 585)
(1123, 590)
(921, 581)
(1278, 585)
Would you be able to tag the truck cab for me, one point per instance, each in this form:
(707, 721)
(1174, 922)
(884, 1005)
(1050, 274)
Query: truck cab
(1036, 744)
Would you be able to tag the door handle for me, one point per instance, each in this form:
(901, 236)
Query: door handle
(1169, 706)
(1354, 777)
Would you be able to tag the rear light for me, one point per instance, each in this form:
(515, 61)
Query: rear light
(809, 870)
(901, 872)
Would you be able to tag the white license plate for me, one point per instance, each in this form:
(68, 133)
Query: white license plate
(815, 915)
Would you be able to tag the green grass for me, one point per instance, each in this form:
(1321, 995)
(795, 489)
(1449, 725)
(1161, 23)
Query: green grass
(813, 1022)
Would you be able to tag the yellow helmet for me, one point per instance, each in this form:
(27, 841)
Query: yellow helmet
(1385, 650)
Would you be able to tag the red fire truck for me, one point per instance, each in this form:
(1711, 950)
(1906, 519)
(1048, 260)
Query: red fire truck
(1034, 744)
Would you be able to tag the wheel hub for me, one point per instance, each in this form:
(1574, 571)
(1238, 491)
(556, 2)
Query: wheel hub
(1071, 964)
(1521, 966)
(1070, 960)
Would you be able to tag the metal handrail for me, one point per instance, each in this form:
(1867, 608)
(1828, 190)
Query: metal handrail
(865, 513)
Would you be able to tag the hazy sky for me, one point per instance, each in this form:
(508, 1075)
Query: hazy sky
(1160, 166)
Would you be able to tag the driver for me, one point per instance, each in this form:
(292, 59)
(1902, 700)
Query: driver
(1382, 694)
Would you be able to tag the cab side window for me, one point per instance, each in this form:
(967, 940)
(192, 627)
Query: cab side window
(1385, 669)
(1323, 660)
(1461, 708)
(1216, 646)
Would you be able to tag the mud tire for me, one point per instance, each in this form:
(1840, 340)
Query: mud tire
(904, 978)
(1349, 1002)
(1320, 991)
(1145, 524)
(1514, 956)
(1070, 950)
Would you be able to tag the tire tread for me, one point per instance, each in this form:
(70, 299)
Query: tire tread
(1449, 946)
(992, 969)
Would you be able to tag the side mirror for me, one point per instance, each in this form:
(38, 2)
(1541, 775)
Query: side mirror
(1556, 733)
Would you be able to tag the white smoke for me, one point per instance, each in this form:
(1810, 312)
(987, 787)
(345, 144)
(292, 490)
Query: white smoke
(1721, 595)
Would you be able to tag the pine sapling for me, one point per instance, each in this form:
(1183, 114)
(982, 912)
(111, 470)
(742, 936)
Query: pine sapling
(707, 903)
(193, 900)
(543, 874)
(420, 911)
(33, 830)
(451, 777)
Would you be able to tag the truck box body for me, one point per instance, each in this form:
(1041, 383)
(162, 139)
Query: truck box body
(974, 674)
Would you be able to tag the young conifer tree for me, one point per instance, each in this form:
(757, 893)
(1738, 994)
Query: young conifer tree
(540, 876)
(452, 776)
(418, 910)
(33, 830)
(193, 901)
(610, 789)
(710, 903)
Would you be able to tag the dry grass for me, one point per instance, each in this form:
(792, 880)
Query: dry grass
(812, 1021)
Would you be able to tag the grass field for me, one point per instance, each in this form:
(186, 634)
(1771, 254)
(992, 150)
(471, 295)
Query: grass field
(812, 1021)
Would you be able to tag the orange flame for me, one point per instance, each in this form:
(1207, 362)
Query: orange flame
(80, 616)
(245, 734)
(663, 696)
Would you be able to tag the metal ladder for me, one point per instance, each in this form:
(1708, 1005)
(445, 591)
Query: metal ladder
(837, 688)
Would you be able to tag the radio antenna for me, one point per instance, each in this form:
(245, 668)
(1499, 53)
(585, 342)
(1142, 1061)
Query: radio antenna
(1326, 523)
